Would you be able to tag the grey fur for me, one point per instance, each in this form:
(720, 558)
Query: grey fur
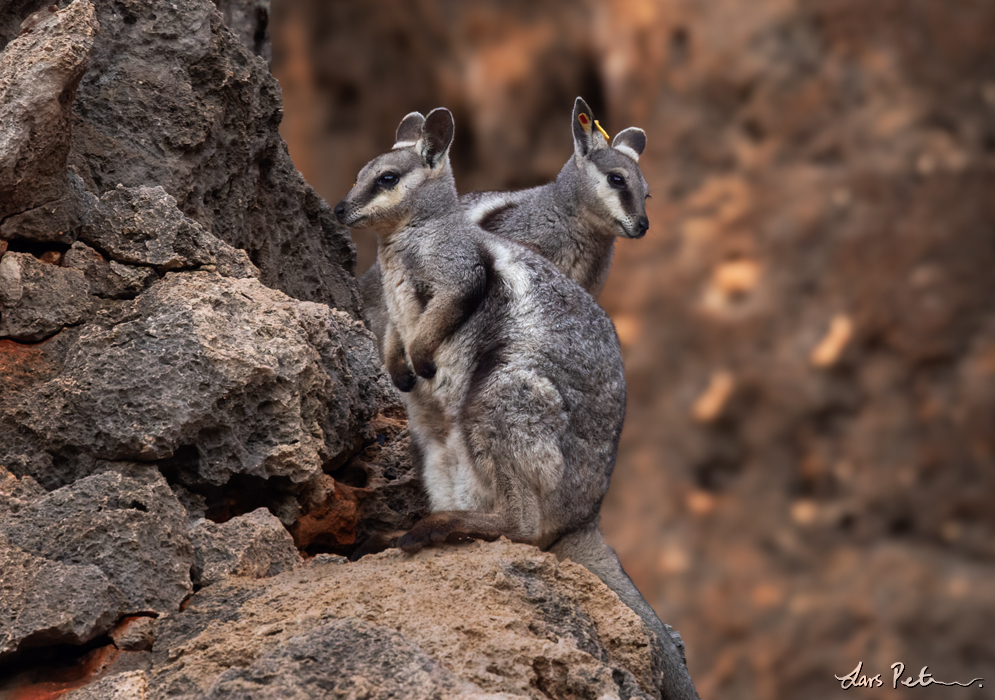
(572, 221)
(512, 373)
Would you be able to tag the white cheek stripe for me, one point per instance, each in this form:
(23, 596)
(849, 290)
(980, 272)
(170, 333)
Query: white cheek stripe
(626, 150)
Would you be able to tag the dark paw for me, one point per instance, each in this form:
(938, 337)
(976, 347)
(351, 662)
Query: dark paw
(412, 542)
(425, 368)
(403, 379)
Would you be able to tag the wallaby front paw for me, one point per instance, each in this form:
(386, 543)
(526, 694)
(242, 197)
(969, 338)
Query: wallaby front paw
(403, 378)
(425, 368)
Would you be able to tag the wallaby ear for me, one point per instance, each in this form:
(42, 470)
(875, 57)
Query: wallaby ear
(588, 134)
(631, 141)
(437, 135)
(409, 130)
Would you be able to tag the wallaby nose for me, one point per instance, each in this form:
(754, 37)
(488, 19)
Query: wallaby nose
(340, 211)
(642, 227)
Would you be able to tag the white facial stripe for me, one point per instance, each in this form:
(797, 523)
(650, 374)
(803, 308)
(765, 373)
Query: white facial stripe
(627, 151)
(606, 193)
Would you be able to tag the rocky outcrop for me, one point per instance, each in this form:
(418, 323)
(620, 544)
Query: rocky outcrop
(486, 620)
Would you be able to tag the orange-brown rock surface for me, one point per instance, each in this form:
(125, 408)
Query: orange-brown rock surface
(809, 336)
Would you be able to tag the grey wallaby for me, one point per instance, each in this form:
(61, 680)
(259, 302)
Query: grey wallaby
(511, 373)
(599, 195)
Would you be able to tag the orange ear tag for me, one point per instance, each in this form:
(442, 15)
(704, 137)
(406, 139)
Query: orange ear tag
(603, 132)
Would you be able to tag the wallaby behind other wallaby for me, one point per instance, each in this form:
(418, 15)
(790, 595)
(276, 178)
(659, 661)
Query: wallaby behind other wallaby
(599, 195)
(512, 374)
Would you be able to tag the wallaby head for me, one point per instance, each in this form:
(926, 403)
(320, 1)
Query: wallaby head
(608, 177)
(410, 180)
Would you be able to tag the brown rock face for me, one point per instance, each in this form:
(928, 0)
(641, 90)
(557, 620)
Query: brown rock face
(807, 327)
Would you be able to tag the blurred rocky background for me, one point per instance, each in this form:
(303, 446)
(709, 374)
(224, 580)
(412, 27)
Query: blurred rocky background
(806, 474)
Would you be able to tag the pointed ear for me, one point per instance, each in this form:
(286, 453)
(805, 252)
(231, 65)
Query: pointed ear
(437, 135)
(631, 141)
(587, 136)
(409, 130)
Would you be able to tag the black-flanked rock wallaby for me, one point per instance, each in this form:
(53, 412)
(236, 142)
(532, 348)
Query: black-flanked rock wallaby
(599, 195)
(512, 374)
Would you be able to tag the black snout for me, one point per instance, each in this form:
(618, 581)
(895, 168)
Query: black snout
(642, 226)
(340, 211)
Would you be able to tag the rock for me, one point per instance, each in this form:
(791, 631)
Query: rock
(349, 658)
(227, 375)
(108, 279)
(134, 633)
(330, 512)
(39, 74)
(45, 602)
(130, 685)
(142, 226)
(38, 299)
(484, 618)
(173, 99)
(254, 545)
(132, 530)
(393, 497)
(249, 19)
(16, 493)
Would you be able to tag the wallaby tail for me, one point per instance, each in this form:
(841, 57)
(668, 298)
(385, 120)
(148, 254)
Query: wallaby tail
(586, 546)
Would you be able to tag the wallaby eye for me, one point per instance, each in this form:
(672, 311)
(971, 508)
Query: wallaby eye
(616, 181)
(388, 180)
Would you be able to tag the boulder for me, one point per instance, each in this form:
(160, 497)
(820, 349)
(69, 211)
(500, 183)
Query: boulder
(172, 98)
(254, 545)
(250, 381)
(487, 619)
(130, 530)
(45, 602)
(39, 299)
(40, 71)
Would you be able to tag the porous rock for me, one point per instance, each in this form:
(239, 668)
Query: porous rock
(38, 299)
(131, 529)
(255, 545)
(45, 602)
(487, 618)
(130, 685)
(258, 383)
(142, 226)
(108, 279)
(39, 74)
(172, 97)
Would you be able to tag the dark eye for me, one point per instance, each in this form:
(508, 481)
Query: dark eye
(616, 181)
(387, 180)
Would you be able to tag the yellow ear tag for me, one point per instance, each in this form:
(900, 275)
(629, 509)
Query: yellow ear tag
(584, 122)
(603, 132)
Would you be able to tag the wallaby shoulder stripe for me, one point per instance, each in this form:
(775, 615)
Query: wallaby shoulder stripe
(491, 221)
